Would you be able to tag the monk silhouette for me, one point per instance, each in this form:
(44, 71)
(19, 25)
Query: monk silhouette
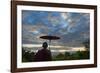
(43, 54)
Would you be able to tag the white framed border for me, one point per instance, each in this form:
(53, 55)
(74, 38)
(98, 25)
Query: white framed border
(52, 63)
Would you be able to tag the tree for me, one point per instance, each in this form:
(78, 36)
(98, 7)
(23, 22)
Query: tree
(86, 43)
(67, 55)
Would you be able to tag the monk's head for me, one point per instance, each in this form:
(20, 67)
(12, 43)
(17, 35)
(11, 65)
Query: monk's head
(45, 45)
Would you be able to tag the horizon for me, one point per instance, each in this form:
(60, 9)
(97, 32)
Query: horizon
(56, 47)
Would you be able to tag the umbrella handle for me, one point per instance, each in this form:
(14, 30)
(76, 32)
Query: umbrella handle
(49, 44)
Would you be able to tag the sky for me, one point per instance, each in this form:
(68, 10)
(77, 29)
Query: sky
(72, 28)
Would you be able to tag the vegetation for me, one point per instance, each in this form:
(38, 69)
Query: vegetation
(75, 56)
(79, 55)
(29, 56)
(86, 43)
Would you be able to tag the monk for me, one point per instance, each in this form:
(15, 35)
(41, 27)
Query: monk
(44, 54)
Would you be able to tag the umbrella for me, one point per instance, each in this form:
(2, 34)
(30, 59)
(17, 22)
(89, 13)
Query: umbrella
(49, 37)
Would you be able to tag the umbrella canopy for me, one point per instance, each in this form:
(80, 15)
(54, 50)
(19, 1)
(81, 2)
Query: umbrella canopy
(50, 37)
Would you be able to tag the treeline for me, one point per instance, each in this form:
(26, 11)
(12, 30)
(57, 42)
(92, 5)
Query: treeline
(74, 56)
(29, 56)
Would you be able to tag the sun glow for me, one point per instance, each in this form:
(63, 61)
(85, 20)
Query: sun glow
(60, 48)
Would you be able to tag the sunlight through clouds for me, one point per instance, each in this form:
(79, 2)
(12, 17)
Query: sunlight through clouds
(67, 25)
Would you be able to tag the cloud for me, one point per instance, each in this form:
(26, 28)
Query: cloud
(72, 28)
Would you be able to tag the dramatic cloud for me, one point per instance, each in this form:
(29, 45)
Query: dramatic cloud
(72, 28)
